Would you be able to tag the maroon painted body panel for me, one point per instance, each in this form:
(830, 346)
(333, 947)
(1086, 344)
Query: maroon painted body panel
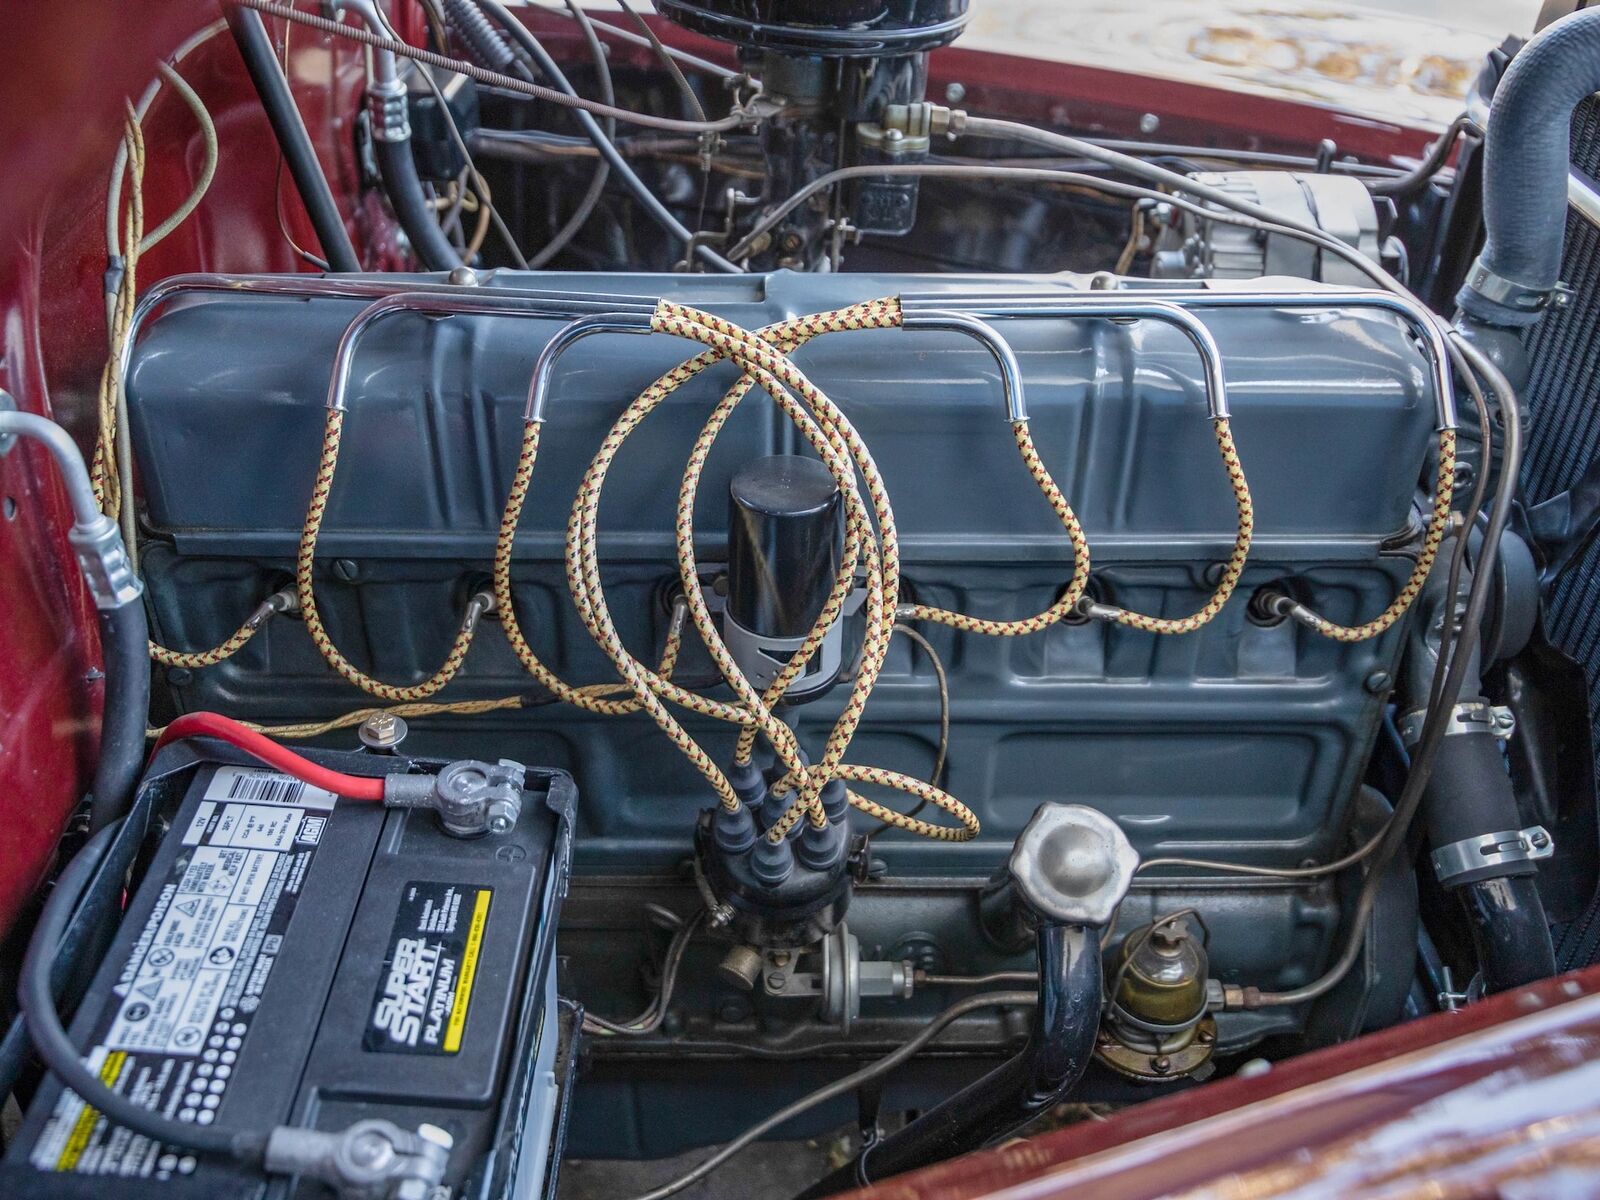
(1500, 1098)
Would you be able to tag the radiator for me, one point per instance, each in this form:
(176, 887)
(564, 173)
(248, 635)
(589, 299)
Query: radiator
(1563, 399)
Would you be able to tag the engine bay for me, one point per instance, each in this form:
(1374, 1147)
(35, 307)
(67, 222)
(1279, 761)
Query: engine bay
(947, 691)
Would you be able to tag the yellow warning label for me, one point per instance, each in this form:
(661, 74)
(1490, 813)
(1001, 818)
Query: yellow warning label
(88, 1118)
(469, 971)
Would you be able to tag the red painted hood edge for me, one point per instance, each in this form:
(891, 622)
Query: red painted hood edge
(1311, 1106)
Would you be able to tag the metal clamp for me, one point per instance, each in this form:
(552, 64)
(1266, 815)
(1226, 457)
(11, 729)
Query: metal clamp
(1469, 856)
(386, 107)
(470, 797)
(1496, 288)
(371, 1160)
(1470, 716)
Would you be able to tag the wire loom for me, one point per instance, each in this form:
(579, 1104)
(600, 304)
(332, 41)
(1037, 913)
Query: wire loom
(871, 546)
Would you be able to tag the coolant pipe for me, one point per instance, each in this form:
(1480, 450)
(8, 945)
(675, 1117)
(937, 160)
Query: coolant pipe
(1069, 870)
(1525, 172)
(1060, 1044)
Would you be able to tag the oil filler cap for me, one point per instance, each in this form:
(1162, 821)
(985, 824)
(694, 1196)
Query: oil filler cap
(1072, 865)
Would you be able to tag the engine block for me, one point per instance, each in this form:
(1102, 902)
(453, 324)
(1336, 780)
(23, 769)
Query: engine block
(1333, 406)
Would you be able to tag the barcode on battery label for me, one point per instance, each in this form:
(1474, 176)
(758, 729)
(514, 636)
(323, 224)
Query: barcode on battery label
(255, 785)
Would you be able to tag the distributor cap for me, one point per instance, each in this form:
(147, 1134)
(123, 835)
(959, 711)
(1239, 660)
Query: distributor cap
(1072, 865)
(826, 28)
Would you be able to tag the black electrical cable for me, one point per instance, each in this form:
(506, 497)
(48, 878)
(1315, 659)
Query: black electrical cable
(1448, 678)
(841, 1087)
(1432, 162)
(684, 87)
(623, 35)
(647, 199)
(125, 714)
(55, 1047)
(492, 78)
(250, 35)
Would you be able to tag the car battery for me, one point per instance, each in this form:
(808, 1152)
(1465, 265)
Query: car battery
(290, 959)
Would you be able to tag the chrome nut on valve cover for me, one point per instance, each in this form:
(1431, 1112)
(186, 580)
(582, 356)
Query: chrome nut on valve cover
(1072, 865)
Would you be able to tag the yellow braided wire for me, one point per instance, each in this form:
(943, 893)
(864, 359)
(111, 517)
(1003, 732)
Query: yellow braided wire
(195, 659)
(305, 563)
(1231, 570)
(1067, 601)
(106, 481)
(1438, 525)
(755, 358)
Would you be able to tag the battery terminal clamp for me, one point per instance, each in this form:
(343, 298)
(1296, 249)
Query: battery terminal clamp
(471, 797)
(371, 1160)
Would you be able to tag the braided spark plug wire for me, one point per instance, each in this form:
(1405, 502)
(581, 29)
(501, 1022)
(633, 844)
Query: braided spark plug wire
(1433, 536)
(755, 357)
(279, 602)
(584, 567)
(305, 563)
(1067, 602)
(1232, 569)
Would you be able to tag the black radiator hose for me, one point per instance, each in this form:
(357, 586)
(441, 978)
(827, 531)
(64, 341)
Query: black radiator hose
(1509, 931)
(1469, 795)
(125, 649)
(1526, 163)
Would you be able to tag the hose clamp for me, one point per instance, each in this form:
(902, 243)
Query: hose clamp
(1470, 716)
(1507, 293)
(1486, 855)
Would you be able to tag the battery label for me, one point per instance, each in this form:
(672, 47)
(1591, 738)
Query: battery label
(171, 1032)
(428, 972)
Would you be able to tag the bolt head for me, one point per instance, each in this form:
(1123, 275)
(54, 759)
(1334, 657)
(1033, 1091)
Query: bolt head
(371, 1150)
(382, 731)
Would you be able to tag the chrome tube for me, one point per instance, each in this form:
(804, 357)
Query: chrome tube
(1088, 305)
(949, 321)
(509, 301)
(460, 302)
(1425, 324)
(565, 338)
